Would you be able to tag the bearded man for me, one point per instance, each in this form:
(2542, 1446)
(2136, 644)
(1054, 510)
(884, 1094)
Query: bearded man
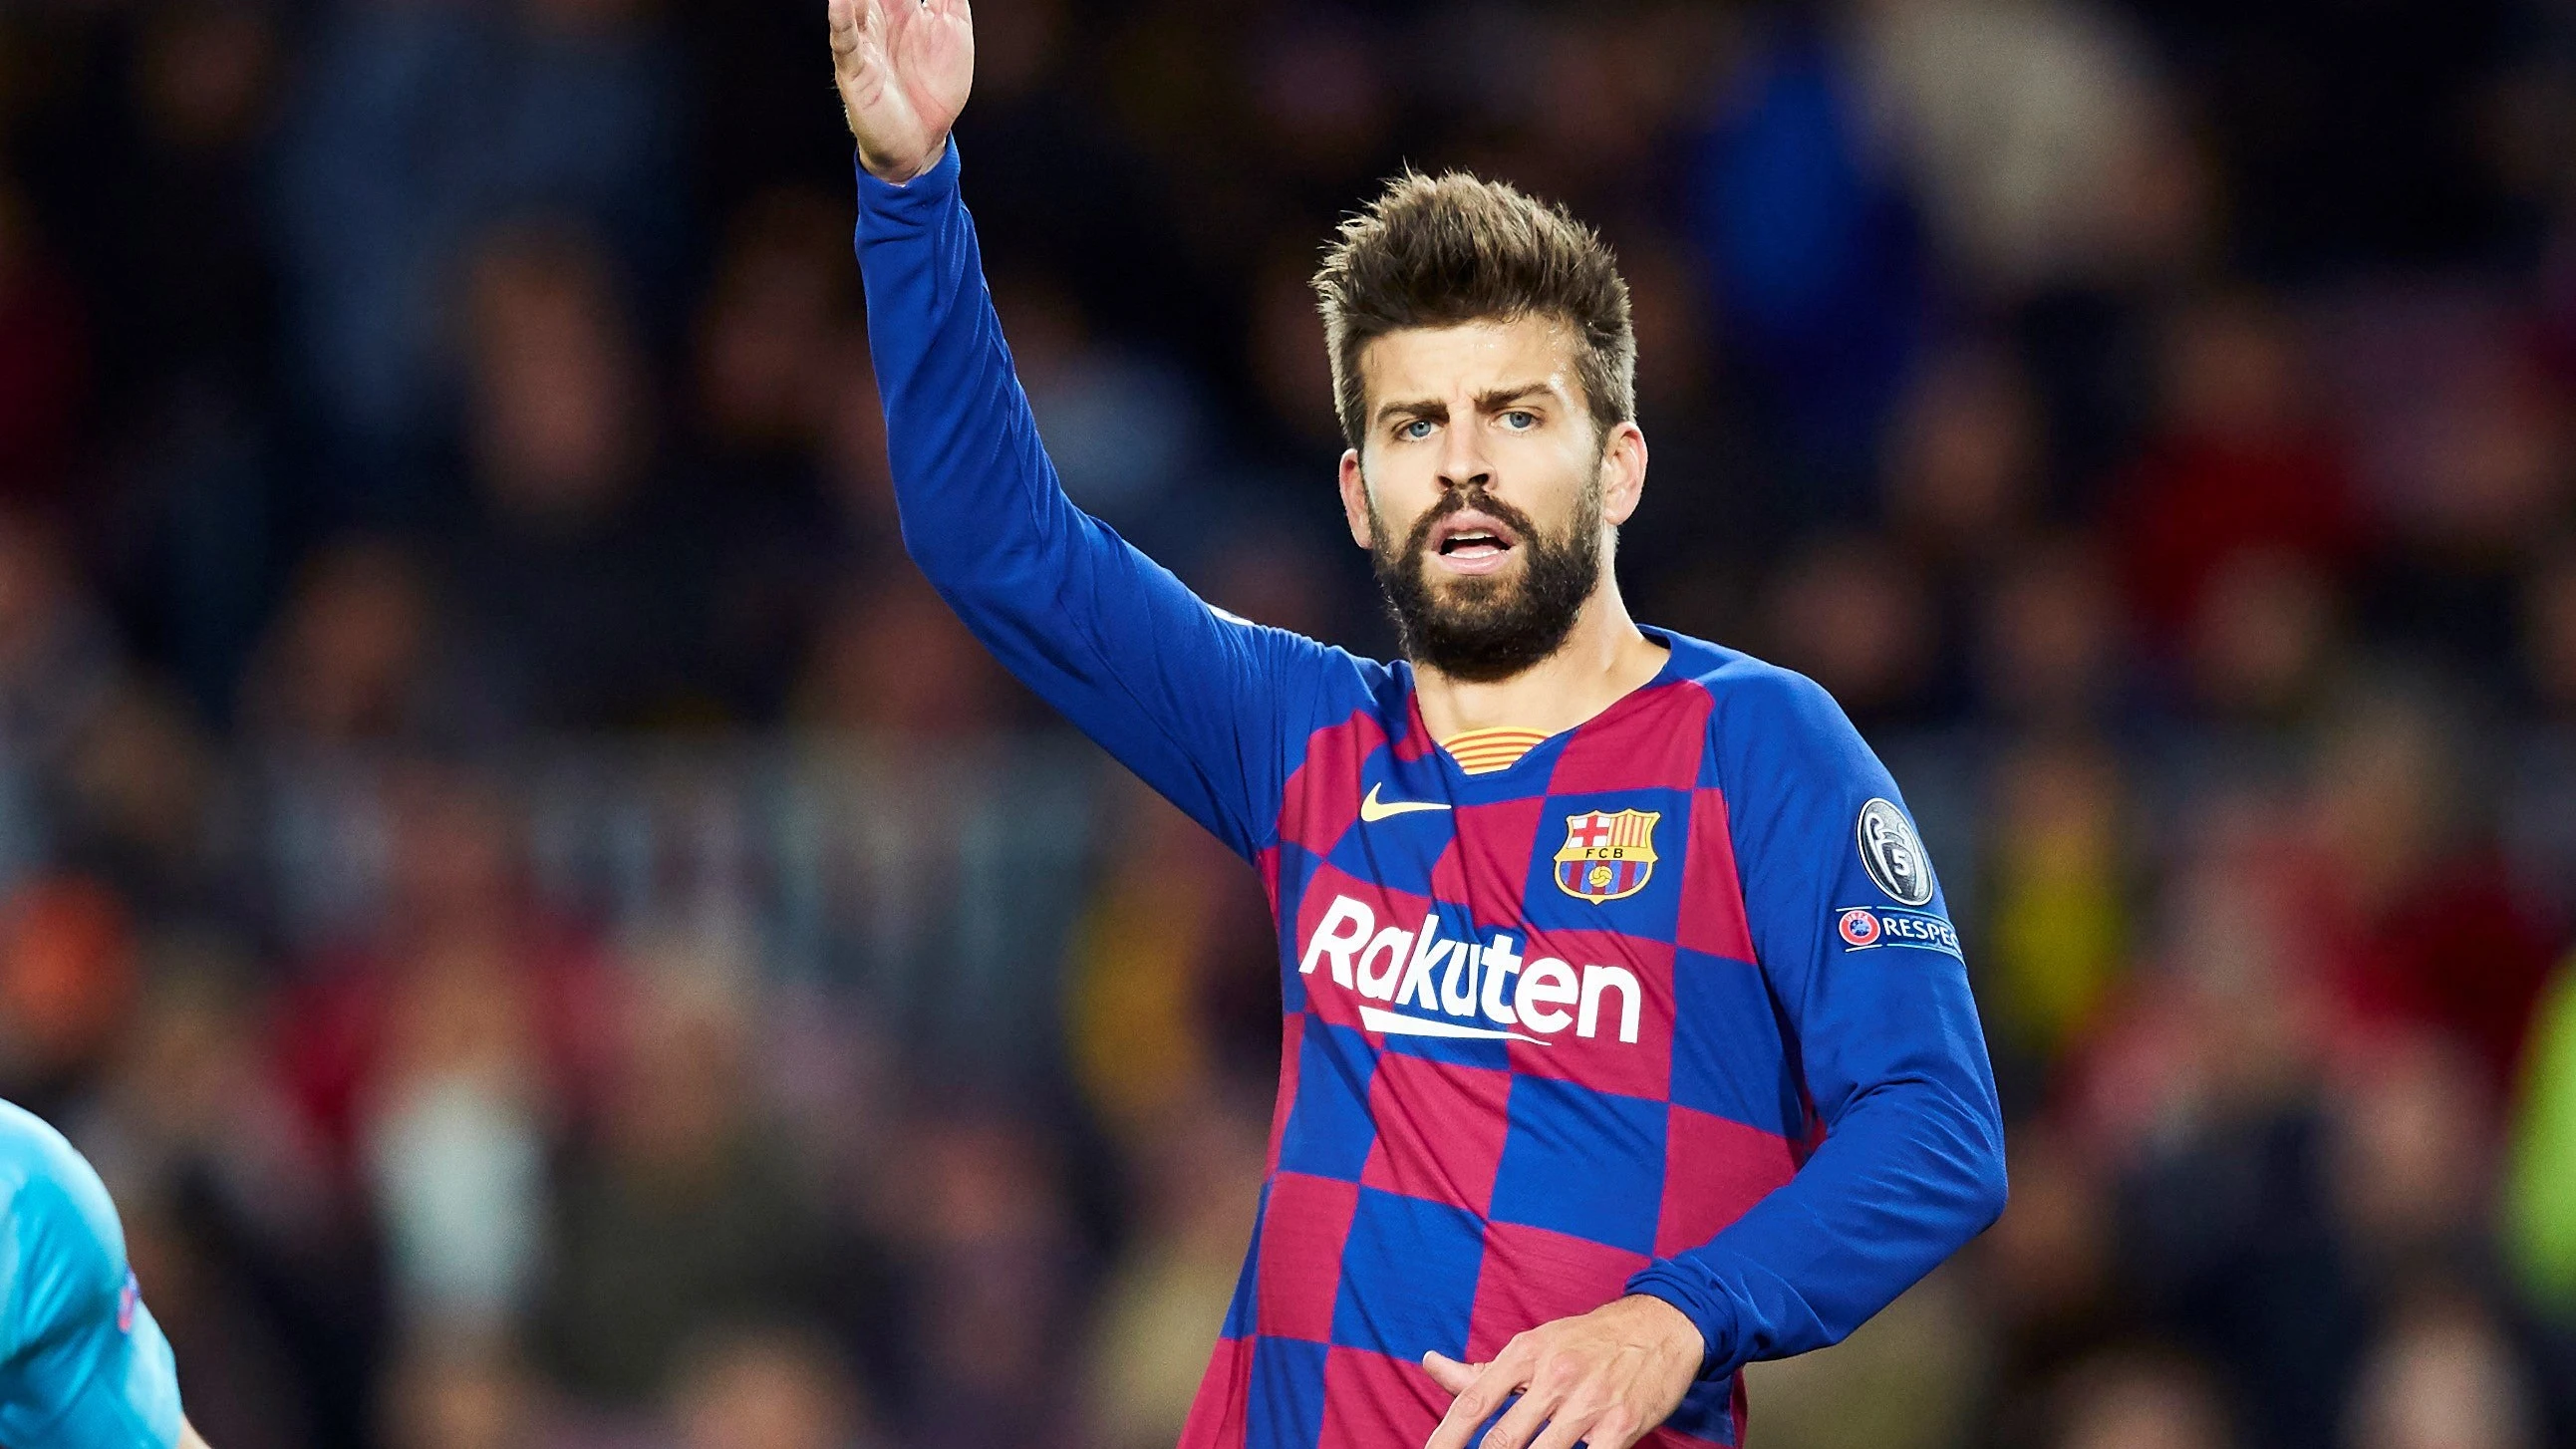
(1626, 1040)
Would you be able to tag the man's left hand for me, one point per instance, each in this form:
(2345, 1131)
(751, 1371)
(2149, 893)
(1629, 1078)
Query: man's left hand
(1605, 1379)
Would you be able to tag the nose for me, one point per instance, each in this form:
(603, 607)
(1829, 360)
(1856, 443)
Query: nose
(1463, 464)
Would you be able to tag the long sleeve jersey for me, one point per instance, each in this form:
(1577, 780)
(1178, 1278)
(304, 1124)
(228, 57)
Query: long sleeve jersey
(1669, 1005)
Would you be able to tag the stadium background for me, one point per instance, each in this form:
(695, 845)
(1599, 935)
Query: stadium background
(555, 938)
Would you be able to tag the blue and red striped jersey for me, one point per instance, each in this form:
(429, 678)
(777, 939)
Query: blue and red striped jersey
(1667, 1004)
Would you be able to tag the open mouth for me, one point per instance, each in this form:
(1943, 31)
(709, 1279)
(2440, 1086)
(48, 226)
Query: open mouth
(1471, 542)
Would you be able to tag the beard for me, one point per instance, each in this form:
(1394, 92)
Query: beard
(1483, 628)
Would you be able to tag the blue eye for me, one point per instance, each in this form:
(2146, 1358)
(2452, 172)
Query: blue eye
(1520, 420)
(1416, 430)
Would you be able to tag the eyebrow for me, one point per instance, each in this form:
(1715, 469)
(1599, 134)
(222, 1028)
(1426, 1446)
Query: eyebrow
(1491, 400)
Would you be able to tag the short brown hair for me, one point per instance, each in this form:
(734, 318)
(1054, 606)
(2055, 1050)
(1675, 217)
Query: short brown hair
(1436, 251)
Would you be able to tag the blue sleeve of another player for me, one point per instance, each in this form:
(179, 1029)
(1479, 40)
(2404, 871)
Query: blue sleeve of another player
(1202, 705)
(1854, 943)
(86, 1366)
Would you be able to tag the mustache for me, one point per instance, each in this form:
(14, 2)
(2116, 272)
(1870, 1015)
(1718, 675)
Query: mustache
(1459, 502)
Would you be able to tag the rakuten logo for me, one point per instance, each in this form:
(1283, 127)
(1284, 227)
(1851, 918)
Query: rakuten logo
(1484, 991)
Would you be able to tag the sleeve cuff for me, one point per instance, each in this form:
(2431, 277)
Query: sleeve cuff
(1716, 1329)
(922, 192)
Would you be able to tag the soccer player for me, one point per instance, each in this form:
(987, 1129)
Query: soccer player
(1626, 1040)
(82, 1364)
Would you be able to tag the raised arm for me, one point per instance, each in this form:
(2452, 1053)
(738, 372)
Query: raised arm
(1204, 706)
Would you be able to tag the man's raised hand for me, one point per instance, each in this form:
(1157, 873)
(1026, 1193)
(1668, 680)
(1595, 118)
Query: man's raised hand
(1604, 1379)
(904, 67)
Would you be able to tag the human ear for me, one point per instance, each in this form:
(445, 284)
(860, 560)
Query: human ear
(1623, 473)
(1355, 509)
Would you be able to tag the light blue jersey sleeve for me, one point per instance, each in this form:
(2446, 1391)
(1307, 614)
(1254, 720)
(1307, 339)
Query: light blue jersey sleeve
(82, 1364)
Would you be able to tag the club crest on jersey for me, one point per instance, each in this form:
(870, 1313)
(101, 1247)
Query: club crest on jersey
(1607, 855)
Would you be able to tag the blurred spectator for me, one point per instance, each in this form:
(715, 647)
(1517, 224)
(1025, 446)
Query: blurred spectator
(1907, 1379)
(132, 801)
(460, 1395)
(1963, 462)
(2549, 633)
(1170, 991)
(197, 315)
(895, 662)
(2139, 1399)
(2261, 648)
(58, 658)
(2052, 640)
(2443, 1377)
(2224, 1020)
(2463, 454)
(1161, 1302)
(2057, 927)
(356, 658)
(67, 985)
(771, 345)
(418, 127)
(583, 580)
(1122, 429)
(856, 472)
(2418, 922)
(1815, 256)
(1323, 104)
(2045, 1275)
(2412, 1158)
(684, 1209)
(2537, 798)
(1853, 613)
(455, 1144)
(2032, 130)
(766, 336)
(2237, 466)
(982, 1222)
(44, 364)
(768, 1389)
(456, 930)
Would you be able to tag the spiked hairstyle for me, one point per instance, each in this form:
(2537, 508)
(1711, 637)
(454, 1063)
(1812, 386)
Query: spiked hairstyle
(1436, 251)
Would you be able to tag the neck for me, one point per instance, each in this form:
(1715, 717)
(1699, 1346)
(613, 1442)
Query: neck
(1603, 658)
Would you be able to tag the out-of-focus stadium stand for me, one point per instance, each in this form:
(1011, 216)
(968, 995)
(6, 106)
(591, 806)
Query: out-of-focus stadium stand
(555, 937)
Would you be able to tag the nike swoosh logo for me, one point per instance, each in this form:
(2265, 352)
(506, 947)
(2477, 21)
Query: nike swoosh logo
(1387, 1023)
(1373, 809)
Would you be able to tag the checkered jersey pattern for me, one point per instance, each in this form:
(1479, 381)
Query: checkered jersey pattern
(1445, 1192)
(1670, 1004)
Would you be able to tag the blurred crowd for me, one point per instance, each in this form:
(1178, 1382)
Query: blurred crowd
(555, 937)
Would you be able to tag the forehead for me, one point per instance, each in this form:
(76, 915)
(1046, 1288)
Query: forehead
(1469, 358)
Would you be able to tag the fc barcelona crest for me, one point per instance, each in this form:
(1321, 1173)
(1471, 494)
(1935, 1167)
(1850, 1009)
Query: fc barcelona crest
(1607, 856)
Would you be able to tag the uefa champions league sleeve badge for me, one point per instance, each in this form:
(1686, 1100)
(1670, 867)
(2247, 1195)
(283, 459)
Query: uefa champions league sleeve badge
(1893, 855)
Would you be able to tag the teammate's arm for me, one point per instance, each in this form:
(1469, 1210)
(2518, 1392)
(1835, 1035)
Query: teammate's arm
(1197, 702)
(86, 1366)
